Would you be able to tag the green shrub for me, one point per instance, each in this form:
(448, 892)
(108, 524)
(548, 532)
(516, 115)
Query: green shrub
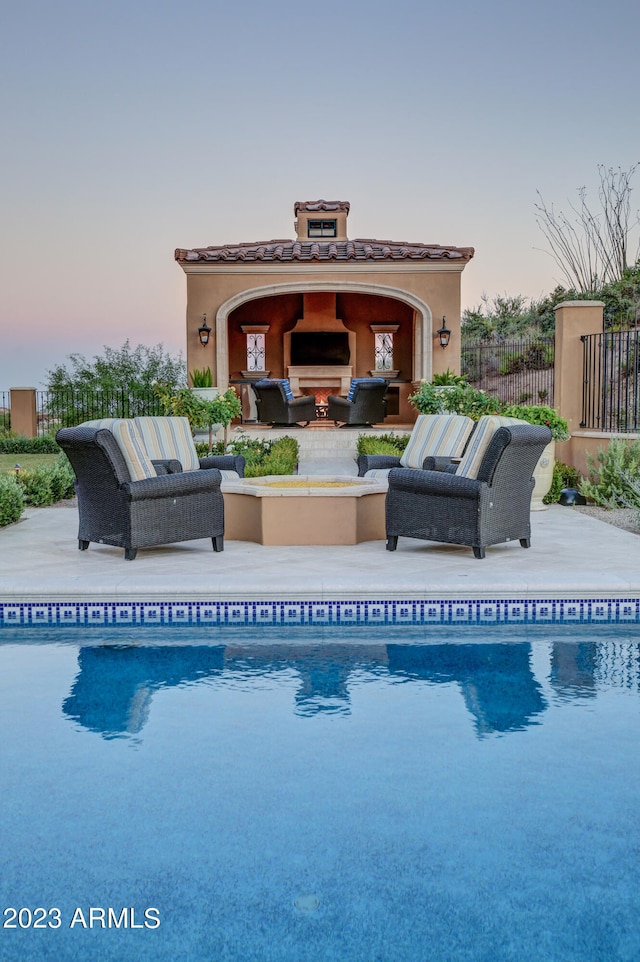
(448, 377)
(614, 475)
(564, 476)
(202, 448)
(263, 457)
(17, 444)
(11, 500)
(539, 414)
(47, 484)
(457, 399)
(382, 443)
(536, 357)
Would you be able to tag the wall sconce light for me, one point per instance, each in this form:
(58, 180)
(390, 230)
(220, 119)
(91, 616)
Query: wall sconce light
(444, 334)
(204, 331)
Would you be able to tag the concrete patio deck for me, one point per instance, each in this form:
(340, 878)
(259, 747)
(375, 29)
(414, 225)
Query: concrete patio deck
(572, 556)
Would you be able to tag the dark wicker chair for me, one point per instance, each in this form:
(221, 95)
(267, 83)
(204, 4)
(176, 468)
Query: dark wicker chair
(130, 514)
(490, 509)
(276, 409)
(368, 404)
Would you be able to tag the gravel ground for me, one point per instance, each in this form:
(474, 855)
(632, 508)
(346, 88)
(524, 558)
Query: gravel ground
(627, 518)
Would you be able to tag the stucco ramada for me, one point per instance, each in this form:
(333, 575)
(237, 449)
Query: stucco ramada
(323, 282)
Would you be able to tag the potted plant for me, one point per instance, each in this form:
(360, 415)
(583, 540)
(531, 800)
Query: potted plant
(211, 415)
(461, 398)
(543, 474)
(202, 383)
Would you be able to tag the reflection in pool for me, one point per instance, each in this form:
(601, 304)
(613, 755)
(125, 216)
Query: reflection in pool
(458, 801)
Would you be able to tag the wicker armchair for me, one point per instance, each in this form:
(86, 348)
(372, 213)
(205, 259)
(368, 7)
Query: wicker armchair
(275, 408)
(491, 508)
(435, 438)
(365, 404)
(132, 514)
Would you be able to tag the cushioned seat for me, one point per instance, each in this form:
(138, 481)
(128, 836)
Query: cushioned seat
(488, 504)
(163, 445)
(433, 435)
(276, 404)
(123, 502)
(364, 404)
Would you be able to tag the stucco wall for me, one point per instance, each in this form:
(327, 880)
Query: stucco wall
(210, 288)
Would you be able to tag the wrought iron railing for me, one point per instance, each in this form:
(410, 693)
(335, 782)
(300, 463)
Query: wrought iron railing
(517, 371)
(65, 408)
(5, 411)
(611, 381)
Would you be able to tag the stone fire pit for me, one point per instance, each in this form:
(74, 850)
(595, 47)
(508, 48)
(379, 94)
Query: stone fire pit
(304, 510)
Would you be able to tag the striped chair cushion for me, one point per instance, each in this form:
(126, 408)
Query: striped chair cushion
(440, 435)
(131, 444)
(167, 437)
(479, 442)
(228, 475)
(381, 474)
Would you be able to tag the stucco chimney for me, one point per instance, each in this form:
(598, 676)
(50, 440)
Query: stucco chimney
(321, 220)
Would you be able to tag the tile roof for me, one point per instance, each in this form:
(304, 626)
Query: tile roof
(324, 250)
(318, 205)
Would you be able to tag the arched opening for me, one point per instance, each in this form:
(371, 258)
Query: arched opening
(279, 307)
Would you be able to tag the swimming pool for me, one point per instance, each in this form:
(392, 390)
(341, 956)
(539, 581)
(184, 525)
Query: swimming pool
(403, 795)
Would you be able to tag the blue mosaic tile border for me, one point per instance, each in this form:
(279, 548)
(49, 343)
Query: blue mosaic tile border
(519, 611)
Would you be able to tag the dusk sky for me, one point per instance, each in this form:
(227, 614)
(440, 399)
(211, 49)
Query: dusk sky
(130, 129)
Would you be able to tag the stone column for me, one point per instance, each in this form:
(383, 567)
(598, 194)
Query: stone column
(573, 319)
(24, 419)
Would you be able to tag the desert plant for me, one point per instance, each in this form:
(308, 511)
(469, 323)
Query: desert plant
(11, 500)
(201, 377)
(447, 378)
(535, 357)
(614, 475)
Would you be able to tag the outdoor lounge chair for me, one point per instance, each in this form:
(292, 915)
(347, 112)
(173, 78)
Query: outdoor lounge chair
(433, 435)
(479, 506)
(123, 501)
(364, 404)
(277, 406)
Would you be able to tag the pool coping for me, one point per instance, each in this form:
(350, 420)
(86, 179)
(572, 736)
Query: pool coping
(579, 570)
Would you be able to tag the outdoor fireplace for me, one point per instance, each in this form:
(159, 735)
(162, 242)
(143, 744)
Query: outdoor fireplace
(319, 352)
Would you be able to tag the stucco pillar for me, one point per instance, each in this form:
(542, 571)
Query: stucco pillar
(24, 420)
(573, 319)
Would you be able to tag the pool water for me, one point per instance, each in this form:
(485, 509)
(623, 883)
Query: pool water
(288, 799)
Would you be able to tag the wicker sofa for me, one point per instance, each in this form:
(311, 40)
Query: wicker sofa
(481, 507)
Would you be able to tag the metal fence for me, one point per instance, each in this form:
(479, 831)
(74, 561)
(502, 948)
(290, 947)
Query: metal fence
(56, 409)
(610, 381)
(5, 412)
(517, 371)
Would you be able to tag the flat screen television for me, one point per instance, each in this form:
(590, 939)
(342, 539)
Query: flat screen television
(326, 347)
